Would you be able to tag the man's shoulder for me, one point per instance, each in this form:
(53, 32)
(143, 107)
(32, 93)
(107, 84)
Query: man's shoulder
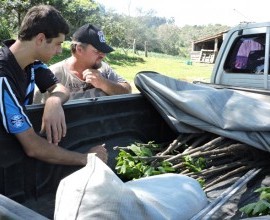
(38, 64)
(104, 64)
(7, 61)
(105, 67)
(58, 68)
(57, 65)
(5, 55)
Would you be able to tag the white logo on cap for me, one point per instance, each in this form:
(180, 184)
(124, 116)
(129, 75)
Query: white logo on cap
(101, 37)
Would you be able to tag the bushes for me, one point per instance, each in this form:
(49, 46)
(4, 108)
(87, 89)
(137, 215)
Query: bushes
(4, 32)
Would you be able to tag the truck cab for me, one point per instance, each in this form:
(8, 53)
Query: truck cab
(241, 61)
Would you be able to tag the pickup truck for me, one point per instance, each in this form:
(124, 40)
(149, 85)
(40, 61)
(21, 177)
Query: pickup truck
(28, 186)
(241, 59)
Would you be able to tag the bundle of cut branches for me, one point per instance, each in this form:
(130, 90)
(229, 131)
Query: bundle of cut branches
(208, 157)
(223, 157)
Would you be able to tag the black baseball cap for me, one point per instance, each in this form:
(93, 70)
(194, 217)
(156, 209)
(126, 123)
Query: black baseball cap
(90, 34)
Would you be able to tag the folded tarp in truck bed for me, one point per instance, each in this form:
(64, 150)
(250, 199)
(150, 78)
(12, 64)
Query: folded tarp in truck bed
(190, 108)
(236, 115)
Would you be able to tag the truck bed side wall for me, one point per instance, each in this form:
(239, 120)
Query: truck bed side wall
(115, 121)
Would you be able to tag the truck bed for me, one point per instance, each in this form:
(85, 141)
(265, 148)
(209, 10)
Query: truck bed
(115, 121)
(28, 186)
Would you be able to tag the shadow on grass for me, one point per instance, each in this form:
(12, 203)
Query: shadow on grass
(120, 59)
(115, 58)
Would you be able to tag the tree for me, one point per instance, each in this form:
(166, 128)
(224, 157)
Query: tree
(77, 12)
(13, 11)
(80, 12)
(169, 38)
(160, 33)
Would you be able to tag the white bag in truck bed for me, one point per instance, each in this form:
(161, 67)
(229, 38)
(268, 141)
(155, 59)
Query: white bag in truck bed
(95, 192)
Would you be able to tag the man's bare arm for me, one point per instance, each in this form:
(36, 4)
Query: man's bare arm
(39, 148)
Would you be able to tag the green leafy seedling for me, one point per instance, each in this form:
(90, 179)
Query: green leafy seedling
(260, 208)
(130, 166)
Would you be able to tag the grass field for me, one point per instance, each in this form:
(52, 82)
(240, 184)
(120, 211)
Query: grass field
(128, 65)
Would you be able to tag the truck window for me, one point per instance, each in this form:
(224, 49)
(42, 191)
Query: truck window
(247, 55)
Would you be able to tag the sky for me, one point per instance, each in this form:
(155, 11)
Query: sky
(197, 12)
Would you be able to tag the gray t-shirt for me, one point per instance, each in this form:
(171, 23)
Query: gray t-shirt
(78, 88)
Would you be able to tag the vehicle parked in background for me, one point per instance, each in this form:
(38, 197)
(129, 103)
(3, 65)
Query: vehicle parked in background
(241, 59)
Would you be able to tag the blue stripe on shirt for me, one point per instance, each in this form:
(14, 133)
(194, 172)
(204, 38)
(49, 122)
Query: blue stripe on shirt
(13, 117)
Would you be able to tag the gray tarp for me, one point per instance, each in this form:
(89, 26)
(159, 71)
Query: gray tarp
(189, 107)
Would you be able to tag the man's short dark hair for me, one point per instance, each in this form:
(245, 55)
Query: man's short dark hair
(43, 19)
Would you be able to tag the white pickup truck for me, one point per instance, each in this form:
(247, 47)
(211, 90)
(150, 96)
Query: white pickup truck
(241, 59)
(165, 110)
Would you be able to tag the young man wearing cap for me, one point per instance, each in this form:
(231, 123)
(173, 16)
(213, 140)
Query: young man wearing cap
(40, 37)
(84, 73)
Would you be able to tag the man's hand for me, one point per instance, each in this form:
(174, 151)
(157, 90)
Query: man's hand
(101, 152)
(94, 78)
(53, 121)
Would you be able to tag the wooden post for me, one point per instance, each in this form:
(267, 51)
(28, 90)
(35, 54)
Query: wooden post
(216, 45)
(145, 49)
(215, 50)
(134, 46)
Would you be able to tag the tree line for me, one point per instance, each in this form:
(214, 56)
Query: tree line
(161, 34)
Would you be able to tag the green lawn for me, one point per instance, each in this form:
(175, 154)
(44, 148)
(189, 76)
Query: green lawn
(129, 65)
(170, 66)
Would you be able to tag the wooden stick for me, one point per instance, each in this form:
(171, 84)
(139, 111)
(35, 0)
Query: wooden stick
(221, 178)
(196, 149)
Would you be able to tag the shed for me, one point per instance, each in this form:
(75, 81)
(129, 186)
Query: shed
(205, 50)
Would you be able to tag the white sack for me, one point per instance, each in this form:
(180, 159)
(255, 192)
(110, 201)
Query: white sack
(95, 192)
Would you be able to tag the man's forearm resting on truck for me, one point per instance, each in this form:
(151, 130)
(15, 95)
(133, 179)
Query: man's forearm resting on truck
(39, 148)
